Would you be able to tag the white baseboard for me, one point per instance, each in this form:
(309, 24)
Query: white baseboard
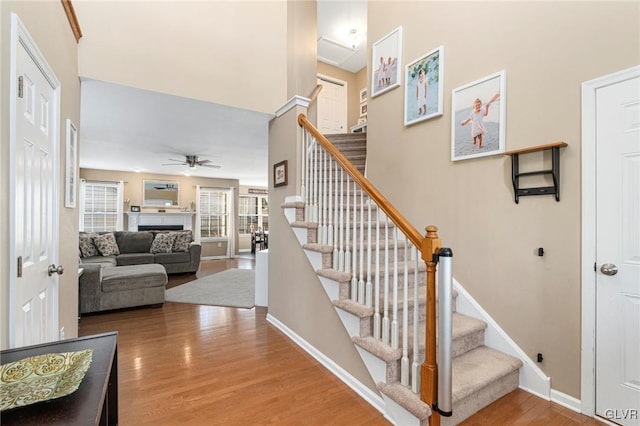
(532, 379)
(567, 401)
(367, 394)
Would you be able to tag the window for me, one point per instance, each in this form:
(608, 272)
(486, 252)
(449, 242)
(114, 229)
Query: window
(213, 212)
(101, 206)
(253, 214)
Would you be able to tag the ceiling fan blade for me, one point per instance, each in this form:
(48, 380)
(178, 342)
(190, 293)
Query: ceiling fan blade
(179, 161)
(201, 162)
(213, 166)
(175, 164)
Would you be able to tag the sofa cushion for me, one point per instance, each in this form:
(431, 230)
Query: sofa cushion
(103, 260)
(132, 277)
(106, 244)
(175, 257)
(182, 241)
(125, 259)
(87, 247)
(163, 243)
(134, 242)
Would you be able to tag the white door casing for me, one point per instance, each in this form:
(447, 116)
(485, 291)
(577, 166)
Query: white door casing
(34, 188)
(611, 234)
(332, 106)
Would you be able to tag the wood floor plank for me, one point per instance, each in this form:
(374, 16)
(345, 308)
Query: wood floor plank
(186, 364)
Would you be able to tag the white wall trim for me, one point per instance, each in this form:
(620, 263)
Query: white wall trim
(532, 378)
(567, 401)
(588, 149)
(292, 103)
(367, 394)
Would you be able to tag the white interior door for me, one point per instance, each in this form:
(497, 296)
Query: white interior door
(34, 174)
(332, 107)
(618, 247)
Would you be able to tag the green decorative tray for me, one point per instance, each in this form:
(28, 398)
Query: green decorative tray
(41, 378)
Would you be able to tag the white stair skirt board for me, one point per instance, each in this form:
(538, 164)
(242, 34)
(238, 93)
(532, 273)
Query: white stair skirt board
(566, 401)
(301, 235)
(532, 378)
(351, 322)
(315, 258)
(290, 214)
(367, 394)
(401, 416)
(331, 287)
(377, 367)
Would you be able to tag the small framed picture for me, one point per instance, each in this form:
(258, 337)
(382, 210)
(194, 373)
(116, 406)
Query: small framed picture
(280, 173)
(363, 95)
(363, 109)
(362, 120)
(478, 112)
(423, 79)
(385, 63)
(135, 208)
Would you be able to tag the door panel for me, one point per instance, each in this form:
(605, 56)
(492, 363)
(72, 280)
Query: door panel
(618, 243)
(332, 107)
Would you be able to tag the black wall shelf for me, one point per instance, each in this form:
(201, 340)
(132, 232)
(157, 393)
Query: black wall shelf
(554, 171)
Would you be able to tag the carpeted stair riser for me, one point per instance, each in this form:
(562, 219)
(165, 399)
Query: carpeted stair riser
(328, 253)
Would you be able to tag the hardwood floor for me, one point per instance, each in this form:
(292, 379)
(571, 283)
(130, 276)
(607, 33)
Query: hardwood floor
(188, 364)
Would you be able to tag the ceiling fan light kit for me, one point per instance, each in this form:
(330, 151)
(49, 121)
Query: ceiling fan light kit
(192, 162)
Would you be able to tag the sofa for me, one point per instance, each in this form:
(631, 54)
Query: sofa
(125, 269)
(135, 248)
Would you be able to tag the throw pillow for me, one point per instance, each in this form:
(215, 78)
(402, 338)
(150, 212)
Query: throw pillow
(162, 243)
(182, 241)
(106, 244)
(87, 247)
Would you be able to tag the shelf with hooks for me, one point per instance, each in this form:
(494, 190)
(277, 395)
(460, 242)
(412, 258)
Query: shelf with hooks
(554, 171)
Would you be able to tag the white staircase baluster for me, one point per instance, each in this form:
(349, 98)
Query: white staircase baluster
(307, 178)
(311, 178)
(330, 206)
(322, 198)
(404, 364)
(347, 227)
(354, 240)
(385, 318)
(341, 227)
(361, 283)
(394, 319)
(376, 314)
(415, 366)
(368, 290)
(314, 210)
(303, 168)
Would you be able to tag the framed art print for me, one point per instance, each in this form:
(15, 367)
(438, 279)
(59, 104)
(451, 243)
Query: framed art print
(280, 173)
(423, 81)
(479, 118)
(385, 63)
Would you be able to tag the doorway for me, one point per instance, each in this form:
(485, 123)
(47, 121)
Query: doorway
(611, 247)
(332, 106)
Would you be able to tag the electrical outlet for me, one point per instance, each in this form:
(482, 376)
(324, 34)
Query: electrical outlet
(61, 333)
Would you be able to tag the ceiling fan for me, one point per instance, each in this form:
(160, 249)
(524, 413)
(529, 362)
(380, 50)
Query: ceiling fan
(192, 161)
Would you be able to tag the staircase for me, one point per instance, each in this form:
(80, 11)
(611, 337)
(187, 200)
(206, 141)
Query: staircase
(481, 375)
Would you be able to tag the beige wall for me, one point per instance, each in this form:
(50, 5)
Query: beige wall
(547, 49)
(227, 52)
(133, 192)
(49, 27)
(355, 83)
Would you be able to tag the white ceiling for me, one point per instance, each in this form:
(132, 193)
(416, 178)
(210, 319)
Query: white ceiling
(130, 129)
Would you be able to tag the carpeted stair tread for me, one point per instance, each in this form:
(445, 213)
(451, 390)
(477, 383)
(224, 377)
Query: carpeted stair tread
(377, 348)
(304, 224)
(293, 205)
(355, 308)
(407, 399)
(320, 248)
(479, 367)
(343, 277)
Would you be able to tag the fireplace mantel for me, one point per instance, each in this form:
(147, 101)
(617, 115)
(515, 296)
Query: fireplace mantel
(149, 219)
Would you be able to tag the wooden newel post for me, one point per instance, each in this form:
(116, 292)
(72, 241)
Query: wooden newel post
(429, 369)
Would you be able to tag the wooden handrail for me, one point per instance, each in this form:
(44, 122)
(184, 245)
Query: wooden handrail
(398, 219)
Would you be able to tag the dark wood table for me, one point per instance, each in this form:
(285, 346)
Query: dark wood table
(96, 400)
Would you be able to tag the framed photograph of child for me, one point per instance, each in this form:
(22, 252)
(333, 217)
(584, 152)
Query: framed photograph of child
(423, 79)
(385, 63)
(478, 118)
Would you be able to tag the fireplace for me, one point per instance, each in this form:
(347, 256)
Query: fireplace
(160, 227)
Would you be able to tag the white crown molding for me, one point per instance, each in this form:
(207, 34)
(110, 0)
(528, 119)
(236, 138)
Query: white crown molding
(292, 103)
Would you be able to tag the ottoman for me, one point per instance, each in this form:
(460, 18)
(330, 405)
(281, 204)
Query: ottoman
(125, 287)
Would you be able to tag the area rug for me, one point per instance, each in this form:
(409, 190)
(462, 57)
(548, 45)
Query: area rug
(233, 288)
